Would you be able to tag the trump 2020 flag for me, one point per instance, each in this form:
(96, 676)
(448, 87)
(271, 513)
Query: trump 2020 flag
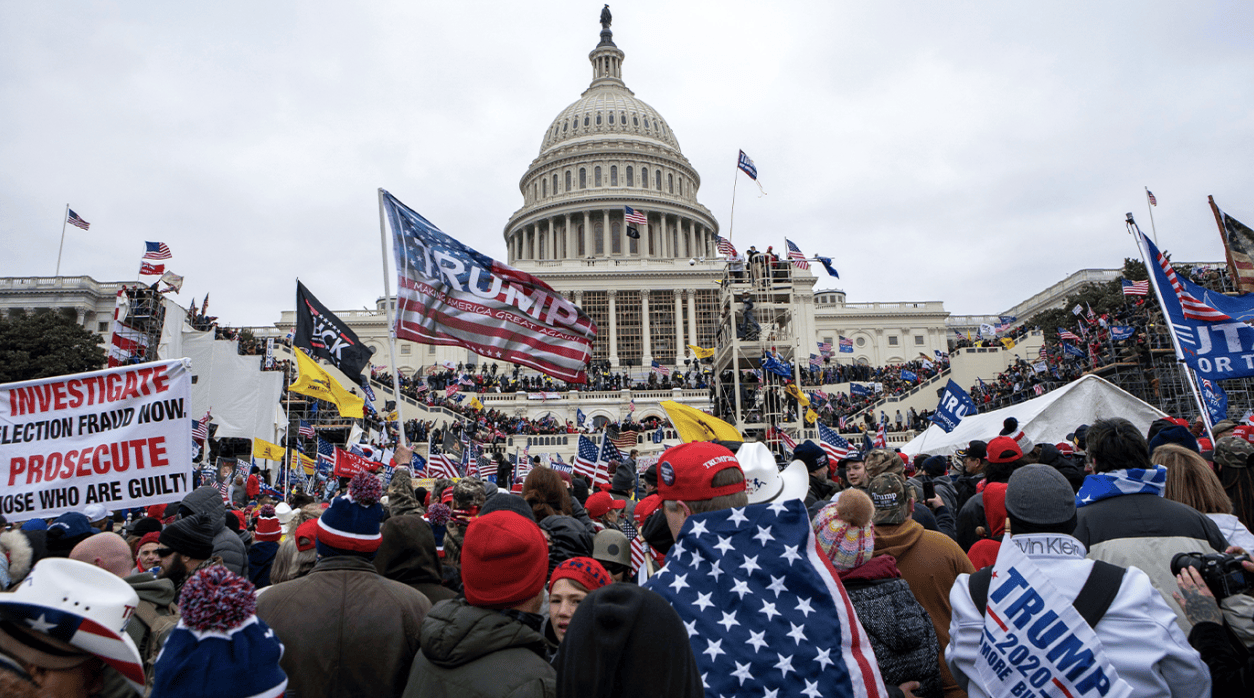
(1215, 398)
(450, 294)
(764, 610)
(955, 404)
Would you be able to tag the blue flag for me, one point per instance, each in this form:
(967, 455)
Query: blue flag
(579, 416)
(955, 404)
(909, 376)
(658, 436)
(859, 390)
(827, 264)
(746, 165)
(776, 365)
(1118, 333)
(1073, 351)
(1215, 339)
(1215, 399)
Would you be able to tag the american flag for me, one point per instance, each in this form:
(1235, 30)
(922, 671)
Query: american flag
(833, 445)
(631, 215)
(585, 461)
(825, 347)
(306, 430)
(1191, 307)
(846, 345)
(77, 222)
(775, 433)
(522, 320)
(200, 432)
(1066, 335)
(815, 361)
(625, 441)
(608, 453)
(637, 544)
(794, 253)
(659, 368)
(1152, 199)
(881, 435)
(724, 246)
(1135, 288)
(764, 612)
(149, 269)
(156, 250)
(326, 457)
(439, 465)
(1038, 389)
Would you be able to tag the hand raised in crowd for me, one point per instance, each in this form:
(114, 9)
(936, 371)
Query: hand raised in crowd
(1195, 599)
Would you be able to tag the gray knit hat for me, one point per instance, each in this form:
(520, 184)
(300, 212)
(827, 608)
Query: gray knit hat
(1039, 494)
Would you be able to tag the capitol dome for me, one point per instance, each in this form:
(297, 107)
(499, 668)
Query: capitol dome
(607, 151)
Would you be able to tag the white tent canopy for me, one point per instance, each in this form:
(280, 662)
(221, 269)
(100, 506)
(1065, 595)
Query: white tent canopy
(1046, 419)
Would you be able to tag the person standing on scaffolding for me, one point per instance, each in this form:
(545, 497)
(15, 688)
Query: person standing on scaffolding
(749, 327)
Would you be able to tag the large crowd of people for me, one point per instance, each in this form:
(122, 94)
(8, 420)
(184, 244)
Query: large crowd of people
(932, 575)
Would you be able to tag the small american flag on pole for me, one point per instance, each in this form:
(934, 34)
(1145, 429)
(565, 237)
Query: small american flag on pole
(1152, 199)
(77, 222)
(794, 253)
(1135, 288)
(659, 368)
(306, 430)
(724, 246)
(1068, 335)
(631, 215)
(156, 250)
(832, 444)
(585, 461)
(201, 431)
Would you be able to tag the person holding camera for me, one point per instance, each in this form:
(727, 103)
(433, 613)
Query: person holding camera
(1203, 582)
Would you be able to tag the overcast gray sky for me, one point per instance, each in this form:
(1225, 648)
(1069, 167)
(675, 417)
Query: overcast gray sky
(969, 152)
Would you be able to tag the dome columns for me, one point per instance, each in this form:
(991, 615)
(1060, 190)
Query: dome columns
(601, 233)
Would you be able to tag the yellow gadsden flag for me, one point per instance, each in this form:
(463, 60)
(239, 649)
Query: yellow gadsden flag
(701, 353)
(797, 395)
(695, 425)
(811, 416)
(474, 403)
(1008, 342)
(316, 382)
(267, 451)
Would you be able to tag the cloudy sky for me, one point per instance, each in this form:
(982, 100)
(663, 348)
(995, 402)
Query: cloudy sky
(969, 152)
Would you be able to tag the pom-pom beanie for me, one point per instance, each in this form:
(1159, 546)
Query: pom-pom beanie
(219, 648)
(505, 560)
(844, 530)
(584, 571)
(1010, 428)
(350, 526)
(268, 527)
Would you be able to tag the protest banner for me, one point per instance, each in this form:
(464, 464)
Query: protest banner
(349, 464)
(120, 437)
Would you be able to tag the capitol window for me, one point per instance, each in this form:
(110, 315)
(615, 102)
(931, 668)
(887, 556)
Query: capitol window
(646, 122)
(670, 183)
(892, 340)
(598, 118)
(598, 239)
(611, 117)
(862, 341)
(616, 239)
(583, 178)
(555, 185)
(567, 180)
(564, 126)
(644, 177)
(629, 179)
(613, 175)
(657, 179)
(622, 118)
(585, 120)
(635, 121)
(918, 340)
(544, 188)
(596, 176)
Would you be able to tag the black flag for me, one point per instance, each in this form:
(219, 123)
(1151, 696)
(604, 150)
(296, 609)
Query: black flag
(324, 335)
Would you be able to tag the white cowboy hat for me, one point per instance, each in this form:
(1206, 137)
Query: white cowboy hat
(79, 605)
(764, 481)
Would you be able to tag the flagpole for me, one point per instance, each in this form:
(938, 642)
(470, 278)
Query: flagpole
(1135, 230)
(1150, 208)
(387, 304)
(66, 218)
(1223, 236)
(731, 220)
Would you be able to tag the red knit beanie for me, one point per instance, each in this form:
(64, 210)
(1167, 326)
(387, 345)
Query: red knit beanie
(268, 527)
(149, 538)
(584, 571)
(505, 560)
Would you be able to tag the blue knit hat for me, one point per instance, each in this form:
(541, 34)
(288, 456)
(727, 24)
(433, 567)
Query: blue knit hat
(350, 526)
(219, 649)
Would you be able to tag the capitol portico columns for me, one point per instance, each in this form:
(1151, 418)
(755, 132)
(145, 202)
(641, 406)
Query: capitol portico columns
(646, 342)
(611, 294)
(571, 245)
(692, 318)
(679, 321)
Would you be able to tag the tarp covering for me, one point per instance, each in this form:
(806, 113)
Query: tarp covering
(242, 396)
(1046, 419)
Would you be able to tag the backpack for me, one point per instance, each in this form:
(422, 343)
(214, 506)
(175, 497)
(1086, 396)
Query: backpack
(157, 627)
(1095, 597)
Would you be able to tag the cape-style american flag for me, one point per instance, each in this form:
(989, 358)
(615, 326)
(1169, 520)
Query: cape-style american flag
(631, 215)
(764, 609)
(1135, 288)
(832, 444)
(156, 250)
(724, 246)
(75, 221)
(489, 307)
(794, 253)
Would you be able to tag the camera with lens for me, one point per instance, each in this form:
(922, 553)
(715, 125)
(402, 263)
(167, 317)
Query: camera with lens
(1223, 573)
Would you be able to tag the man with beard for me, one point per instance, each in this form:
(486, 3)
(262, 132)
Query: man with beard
(186, 546)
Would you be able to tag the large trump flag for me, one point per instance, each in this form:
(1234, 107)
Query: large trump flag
(450, 294)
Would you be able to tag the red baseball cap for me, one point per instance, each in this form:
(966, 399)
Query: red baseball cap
(1004, 449)
(685, 472)
(601, 502)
